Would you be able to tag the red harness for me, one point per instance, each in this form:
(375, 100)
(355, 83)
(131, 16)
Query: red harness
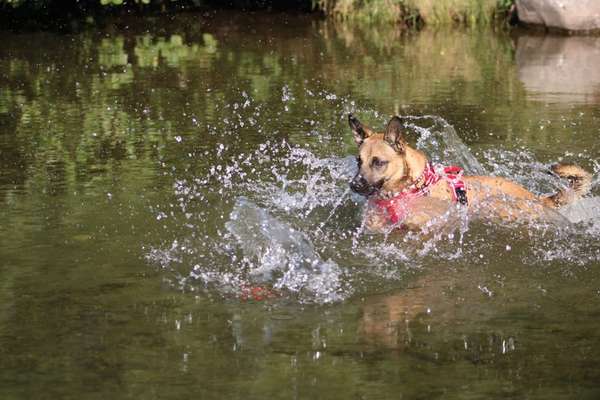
(397, 207)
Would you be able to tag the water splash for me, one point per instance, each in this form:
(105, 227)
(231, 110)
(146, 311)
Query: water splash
(438, 139)
(280, 215)
(279, 255)
(587, 210)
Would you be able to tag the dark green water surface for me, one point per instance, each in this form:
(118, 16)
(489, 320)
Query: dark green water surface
(159, 176)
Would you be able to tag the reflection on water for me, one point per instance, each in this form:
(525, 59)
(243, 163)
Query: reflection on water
(149, 179)
(560, 69)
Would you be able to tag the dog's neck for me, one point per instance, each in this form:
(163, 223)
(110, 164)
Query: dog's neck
(415, 163)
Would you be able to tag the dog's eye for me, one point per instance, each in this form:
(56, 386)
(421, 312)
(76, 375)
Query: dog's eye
(378, 163)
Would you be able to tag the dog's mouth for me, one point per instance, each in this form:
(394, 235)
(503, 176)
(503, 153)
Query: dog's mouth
(361, 186)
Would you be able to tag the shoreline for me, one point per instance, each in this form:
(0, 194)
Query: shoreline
(404, 14)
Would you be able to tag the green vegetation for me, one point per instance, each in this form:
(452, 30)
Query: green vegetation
(413, 12)
(407, 13)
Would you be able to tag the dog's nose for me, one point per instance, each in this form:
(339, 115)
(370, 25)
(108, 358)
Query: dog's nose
(360, 185)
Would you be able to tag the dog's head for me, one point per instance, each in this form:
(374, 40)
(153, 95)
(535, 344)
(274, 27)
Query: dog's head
(383, 163)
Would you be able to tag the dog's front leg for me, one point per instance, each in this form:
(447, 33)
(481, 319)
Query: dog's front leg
(426, 211)
(376, 221)
(416, 221)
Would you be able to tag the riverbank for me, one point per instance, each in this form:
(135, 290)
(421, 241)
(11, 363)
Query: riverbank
(414, 14)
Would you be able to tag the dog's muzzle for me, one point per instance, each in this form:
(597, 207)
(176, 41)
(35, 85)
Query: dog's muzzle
(360, 185)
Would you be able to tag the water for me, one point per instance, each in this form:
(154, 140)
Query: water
(177, 220)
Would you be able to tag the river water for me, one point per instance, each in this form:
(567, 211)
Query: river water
(176, 220)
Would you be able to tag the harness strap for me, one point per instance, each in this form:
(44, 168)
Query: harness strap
(454, 178)
(397, 207)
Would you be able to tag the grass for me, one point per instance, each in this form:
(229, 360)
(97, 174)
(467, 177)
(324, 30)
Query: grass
(407, 13)
(416, 12)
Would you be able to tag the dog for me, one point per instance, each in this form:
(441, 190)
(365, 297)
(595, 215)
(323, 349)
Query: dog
(405, 191)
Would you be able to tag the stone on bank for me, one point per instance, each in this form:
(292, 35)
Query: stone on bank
(572, 15)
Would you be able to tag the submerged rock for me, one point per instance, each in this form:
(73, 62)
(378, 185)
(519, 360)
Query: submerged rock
(572, 15)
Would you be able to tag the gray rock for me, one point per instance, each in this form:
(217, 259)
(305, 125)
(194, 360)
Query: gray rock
(572, 15)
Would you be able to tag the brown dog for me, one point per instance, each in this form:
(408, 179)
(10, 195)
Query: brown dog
(405, 190)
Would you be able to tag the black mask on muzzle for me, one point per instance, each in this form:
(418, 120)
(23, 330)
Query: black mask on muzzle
(361, 186)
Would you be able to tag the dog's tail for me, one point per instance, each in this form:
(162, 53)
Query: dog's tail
(580, 183)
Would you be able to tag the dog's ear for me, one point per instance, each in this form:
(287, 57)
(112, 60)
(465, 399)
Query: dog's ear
(360, 131)
(393, 134)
